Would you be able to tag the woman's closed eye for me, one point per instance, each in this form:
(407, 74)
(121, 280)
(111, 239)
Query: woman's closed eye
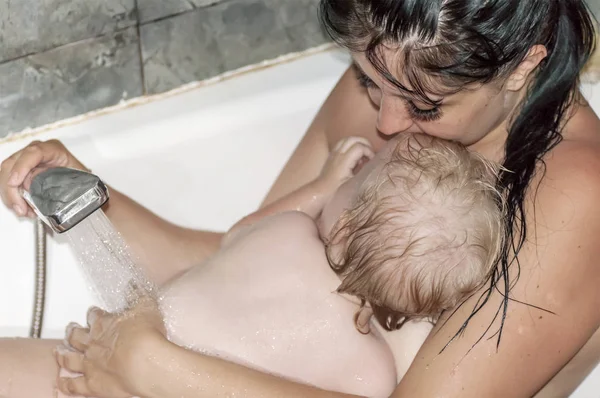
(421, 113)
(365, 81)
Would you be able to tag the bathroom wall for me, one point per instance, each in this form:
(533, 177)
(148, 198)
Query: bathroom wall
(62, 58)
(594, 7)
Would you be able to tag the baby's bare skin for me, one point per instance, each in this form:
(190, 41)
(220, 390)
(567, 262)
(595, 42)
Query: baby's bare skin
(267, 299)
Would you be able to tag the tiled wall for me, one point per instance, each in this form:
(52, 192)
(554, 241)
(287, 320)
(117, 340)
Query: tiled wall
(62, 58)
(594, 7)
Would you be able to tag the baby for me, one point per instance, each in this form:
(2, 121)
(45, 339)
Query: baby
(413, 232)
(422, 231)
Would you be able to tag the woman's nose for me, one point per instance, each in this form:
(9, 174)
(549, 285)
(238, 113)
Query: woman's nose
(393, 116)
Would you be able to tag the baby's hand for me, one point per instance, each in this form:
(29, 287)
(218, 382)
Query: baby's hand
(347, 154)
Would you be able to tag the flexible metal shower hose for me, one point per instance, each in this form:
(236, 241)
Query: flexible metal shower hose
(40, 280)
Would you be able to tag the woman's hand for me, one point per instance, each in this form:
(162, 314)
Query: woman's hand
(19, 169)
(110, 354)
(346, 158)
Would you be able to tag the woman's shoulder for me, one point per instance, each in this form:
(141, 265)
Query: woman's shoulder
(570, 173)
(569, 176)
(562, 201)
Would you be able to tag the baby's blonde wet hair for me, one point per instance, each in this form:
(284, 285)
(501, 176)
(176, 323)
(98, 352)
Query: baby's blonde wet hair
(424, 233)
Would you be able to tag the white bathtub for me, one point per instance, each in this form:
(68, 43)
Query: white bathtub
(203, 158)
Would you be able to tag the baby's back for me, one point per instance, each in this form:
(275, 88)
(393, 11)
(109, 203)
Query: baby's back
(267, 299)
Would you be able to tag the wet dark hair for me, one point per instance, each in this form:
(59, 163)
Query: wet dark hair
(452, 43)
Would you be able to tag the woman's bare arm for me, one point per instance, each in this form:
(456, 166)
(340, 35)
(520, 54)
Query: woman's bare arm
(164, 250)
(201, 376)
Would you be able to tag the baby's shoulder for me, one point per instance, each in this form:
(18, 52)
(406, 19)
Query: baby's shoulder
(284, 225)
(289, 223)
(287, 232)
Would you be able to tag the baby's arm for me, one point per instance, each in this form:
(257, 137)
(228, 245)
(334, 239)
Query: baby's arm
(312, 197)
(308, 199)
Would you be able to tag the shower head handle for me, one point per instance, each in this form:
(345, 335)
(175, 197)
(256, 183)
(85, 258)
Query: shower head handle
(63, 197)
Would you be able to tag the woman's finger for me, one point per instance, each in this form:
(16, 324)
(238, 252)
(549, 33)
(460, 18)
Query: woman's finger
(7, 165)
(68, 331)
(15, 201)
(79, 339)
(74, 386)
(30, 157)
(96, 319)
(69, 359)
(93, 315)
(46, 154)
(11, 196)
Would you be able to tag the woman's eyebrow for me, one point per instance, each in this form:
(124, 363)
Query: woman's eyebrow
(405, 95)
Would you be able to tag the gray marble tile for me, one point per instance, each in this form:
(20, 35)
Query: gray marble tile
(594, 6)
(302, 24)
(69, 81)
(31, 26)
(177, 51)
(209, 41)
(150, 10)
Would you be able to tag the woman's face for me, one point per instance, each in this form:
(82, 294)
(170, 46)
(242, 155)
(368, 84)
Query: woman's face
(468, 116)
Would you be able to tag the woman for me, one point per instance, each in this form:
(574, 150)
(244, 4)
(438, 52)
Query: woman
(499, 76)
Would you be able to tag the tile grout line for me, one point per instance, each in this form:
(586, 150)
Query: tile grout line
(140, 53)
(188, 87)
(194, 9)
(74, 43)
(137, 24)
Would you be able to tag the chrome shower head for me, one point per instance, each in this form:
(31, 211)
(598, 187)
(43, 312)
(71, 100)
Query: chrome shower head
(63, 197)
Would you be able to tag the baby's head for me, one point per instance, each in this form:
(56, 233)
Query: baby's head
(417, 230)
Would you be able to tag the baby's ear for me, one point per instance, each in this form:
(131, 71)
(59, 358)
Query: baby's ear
(362, 319)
